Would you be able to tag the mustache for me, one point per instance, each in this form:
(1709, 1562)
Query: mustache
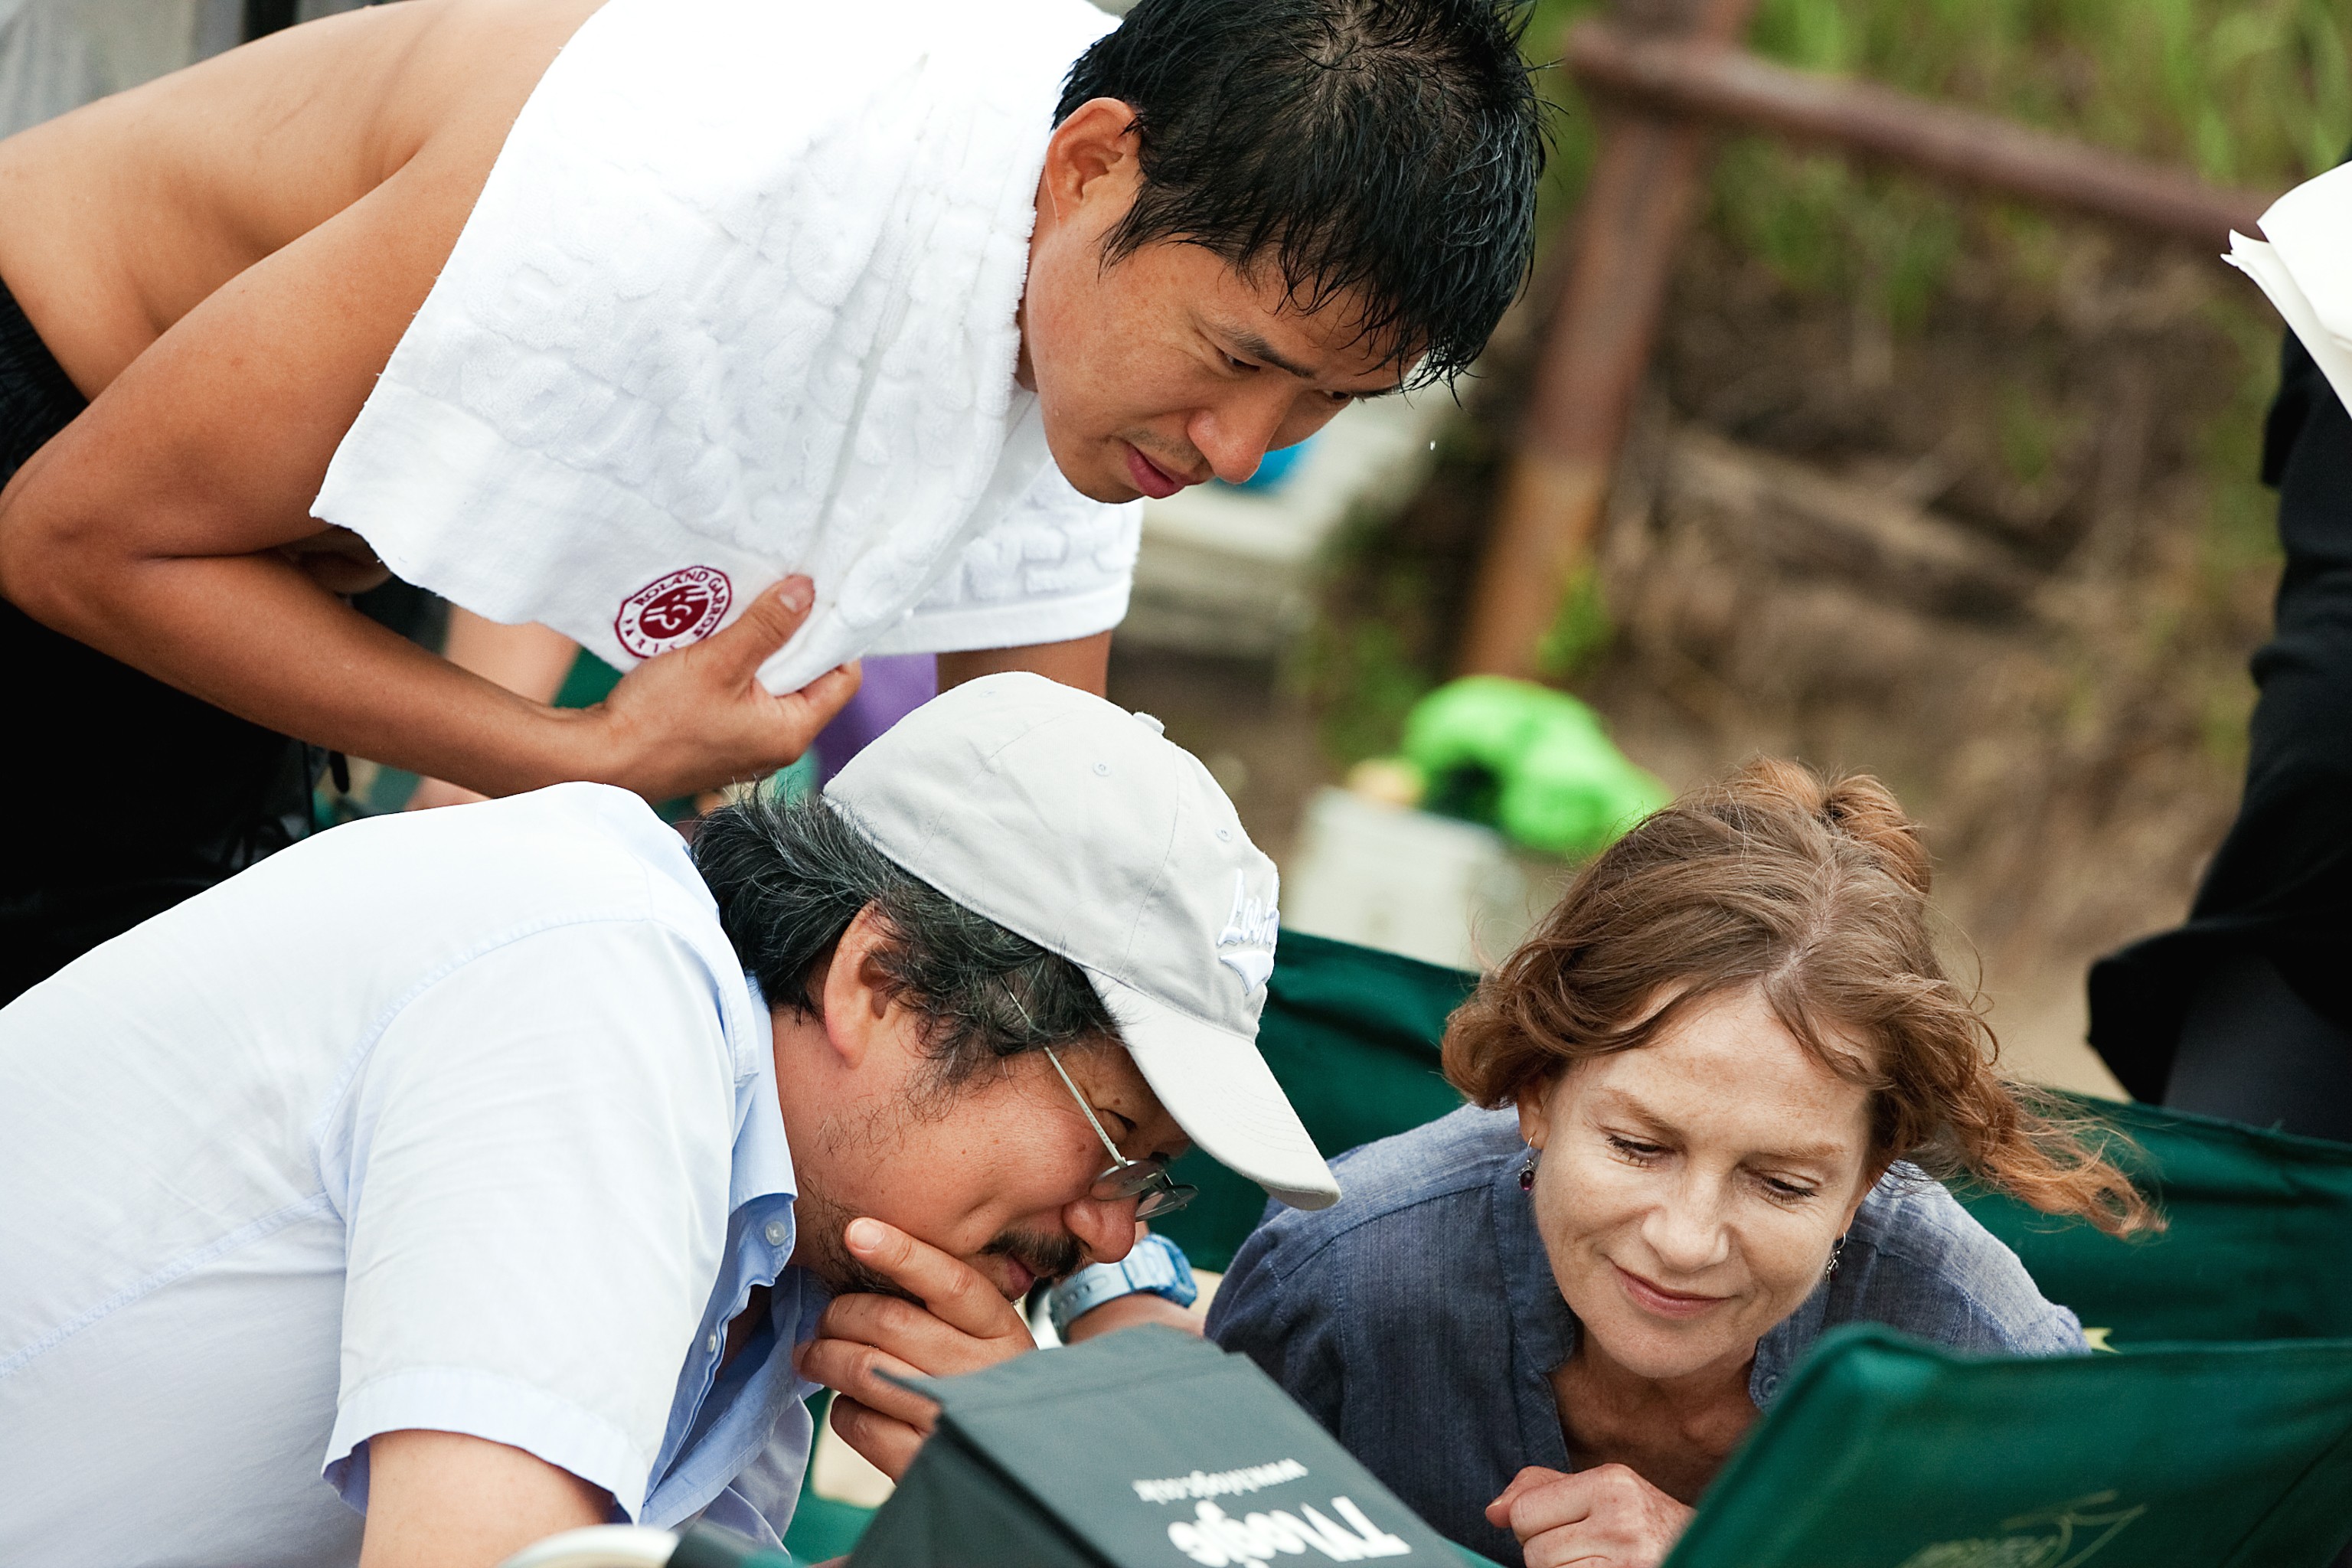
(1157, 450)
(1049, 1257)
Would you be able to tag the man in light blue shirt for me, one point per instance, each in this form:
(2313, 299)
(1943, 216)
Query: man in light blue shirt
(500, 1170)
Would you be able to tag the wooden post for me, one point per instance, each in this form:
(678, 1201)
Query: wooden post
(1938, 140)
(1645, 183)
(1664, 70)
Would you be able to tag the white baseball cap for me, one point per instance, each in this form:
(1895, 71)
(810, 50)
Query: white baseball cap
(1070, 821)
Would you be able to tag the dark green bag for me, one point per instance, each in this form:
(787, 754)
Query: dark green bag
(1885, 1453)
(1151, 1448)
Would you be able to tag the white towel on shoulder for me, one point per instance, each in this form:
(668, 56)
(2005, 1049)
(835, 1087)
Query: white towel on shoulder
(738, 300)
(2306, 270)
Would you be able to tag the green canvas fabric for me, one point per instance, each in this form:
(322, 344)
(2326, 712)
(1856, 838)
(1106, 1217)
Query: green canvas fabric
(1885, 1453)
(2259, 1248)
(958, 1509)
(1351, 1033)
(1147, 1449)
(822, 1527)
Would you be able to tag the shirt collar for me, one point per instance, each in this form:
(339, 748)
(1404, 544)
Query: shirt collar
(703, 1452)
(763, 1158)
(1543, 1331)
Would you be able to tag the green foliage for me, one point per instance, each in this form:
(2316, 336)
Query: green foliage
(1583, 631)
(2247, 91)
(2240, 90)
(2256, 93)
(1366, 663)
(2028, 434)
(1372, 671)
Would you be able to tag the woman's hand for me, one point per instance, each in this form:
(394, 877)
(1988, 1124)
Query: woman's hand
(1607, 1517)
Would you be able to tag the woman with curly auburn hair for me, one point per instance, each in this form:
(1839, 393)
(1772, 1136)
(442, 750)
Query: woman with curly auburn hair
(1715, 1097)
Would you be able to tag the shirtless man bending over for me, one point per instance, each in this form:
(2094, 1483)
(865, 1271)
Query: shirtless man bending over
(207, 278)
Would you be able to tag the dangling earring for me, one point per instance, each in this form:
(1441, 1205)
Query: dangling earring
(1528, 1173)
(1837, 1250)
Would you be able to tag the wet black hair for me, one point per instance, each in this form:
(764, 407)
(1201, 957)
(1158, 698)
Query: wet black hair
(790, 876)
(1386, 147)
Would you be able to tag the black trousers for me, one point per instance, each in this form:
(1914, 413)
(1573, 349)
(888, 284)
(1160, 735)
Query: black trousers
(119, 796)
(2246, 1010)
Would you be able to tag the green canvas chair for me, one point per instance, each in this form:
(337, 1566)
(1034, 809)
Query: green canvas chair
(1351, 1033)
(1885, 1453)
(2259, 1244)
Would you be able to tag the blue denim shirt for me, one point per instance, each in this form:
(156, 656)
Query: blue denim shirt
(1418, 1319)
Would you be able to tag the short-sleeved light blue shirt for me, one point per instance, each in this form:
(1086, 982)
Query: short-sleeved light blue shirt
(463, 1120)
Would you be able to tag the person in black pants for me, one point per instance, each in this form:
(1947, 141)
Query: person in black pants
(96, 844)
(2245, 1012)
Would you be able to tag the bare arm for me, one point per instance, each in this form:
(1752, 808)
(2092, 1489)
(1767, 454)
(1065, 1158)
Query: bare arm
(442, 1499)
(1084, 662)
(1135, 1312)
(529, 660)
(156, 527)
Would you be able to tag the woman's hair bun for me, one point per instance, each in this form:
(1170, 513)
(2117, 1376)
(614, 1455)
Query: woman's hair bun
(1856, 807)
(1865, 811)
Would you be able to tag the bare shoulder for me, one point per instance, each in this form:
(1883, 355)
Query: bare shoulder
(464, 70)
(354, 97)
(128, 214)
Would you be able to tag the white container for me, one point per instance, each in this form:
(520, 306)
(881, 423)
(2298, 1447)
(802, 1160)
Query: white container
(1406, 881)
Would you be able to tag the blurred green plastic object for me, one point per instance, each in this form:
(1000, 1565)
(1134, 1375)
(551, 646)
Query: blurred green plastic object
(1886, 1453)
(1530, 761)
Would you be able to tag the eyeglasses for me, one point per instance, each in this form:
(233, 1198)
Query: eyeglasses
(1146, 1181)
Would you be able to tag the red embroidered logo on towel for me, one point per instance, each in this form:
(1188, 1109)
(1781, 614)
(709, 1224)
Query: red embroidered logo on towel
(671, 612)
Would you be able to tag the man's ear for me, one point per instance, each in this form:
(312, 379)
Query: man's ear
(856, 993)
(1092, 157)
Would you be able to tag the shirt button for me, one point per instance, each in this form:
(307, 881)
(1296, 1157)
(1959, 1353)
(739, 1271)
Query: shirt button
(712, 1344)
(775, 1232)
(1771, 1385)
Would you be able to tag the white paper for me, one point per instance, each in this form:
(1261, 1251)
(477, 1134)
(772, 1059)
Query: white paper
(2264, 264)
